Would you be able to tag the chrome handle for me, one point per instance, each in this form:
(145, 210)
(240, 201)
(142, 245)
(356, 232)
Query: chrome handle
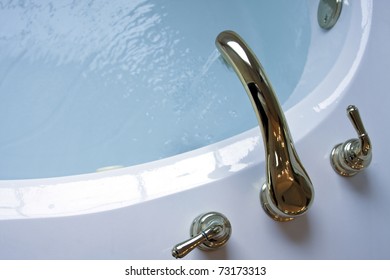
(208, 232)
(354, 116)
(182, 249)
(352, 156)
(288, 191)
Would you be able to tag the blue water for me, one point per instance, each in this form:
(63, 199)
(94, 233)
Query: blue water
(88, 84)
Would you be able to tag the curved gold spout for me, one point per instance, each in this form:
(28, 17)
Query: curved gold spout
(288, 191)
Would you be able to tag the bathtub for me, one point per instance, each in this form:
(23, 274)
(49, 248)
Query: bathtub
(142, 211)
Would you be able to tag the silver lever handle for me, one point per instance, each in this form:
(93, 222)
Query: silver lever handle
(352, 156)
(354, 116)
(208, 232)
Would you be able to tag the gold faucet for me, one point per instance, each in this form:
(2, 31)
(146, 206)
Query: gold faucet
(288, 191)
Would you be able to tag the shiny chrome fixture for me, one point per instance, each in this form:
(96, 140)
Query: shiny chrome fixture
(329, 12)
(354, 155)
(208, 231)
(288, 191)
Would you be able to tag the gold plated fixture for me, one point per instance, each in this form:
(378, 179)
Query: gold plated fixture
(288, 191)
(208, 231)
(352, 156)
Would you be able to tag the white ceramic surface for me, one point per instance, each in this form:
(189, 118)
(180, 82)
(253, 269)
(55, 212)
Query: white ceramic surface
(126, 214)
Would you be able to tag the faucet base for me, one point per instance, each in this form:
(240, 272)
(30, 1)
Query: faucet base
(267, 206)
(337, 159)
(212, 219)
(208, 232)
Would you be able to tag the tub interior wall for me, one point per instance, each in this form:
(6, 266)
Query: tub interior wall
(85, 85)
(325, 50)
